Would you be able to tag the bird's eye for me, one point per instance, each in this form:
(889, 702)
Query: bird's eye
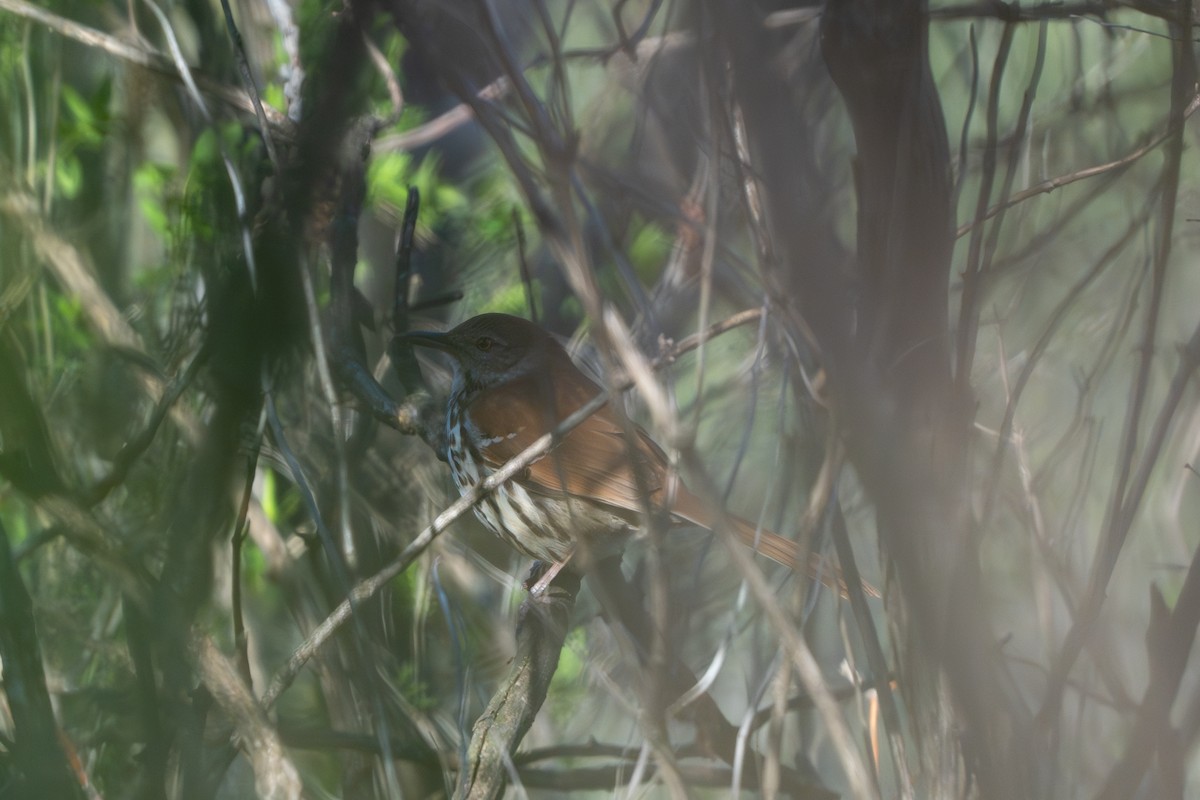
(484, 343)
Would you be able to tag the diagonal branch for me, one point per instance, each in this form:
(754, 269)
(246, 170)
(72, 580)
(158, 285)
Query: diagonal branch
(367, 588)
(145, 57)
(542, 624)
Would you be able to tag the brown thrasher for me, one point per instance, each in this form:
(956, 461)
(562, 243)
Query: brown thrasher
(513, 383)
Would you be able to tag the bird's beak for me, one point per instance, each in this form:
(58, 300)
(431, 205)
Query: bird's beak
(437, 341)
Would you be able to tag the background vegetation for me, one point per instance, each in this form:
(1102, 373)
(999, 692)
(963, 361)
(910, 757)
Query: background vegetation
(954, 249)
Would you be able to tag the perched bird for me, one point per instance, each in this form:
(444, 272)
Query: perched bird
(513, 382)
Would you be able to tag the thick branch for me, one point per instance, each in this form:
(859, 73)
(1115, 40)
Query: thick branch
(907, 420)
(541, 629)
(36, 753)
(1169, 642)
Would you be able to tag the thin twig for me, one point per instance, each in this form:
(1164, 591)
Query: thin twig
(1060, 181)
(243, 62)
(235, 180)
(968, 317)
(439, 126)
(133, 449)
(78, 279)
(367, 588)
(145, 57)
(1126, 496)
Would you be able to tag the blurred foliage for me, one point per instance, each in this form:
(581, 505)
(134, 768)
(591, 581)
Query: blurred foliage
(389, 177)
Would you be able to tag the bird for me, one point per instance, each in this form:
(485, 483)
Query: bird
(513, 382)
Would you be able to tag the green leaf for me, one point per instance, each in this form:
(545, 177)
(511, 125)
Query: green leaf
(68, 175)
(388, 177)
(254, 567)
(81, 124)
(17, 525)
(273, 96)
(150, 183)
(206, 151)
(269, 499)
(67, 322)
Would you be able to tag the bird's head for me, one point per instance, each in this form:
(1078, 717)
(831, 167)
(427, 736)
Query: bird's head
(492, 349)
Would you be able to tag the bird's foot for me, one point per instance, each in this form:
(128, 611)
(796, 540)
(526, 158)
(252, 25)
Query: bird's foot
(541, 574)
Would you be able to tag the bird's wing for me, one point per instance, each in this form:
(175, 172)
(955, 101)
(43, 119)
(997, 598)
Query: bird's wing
(594, 460)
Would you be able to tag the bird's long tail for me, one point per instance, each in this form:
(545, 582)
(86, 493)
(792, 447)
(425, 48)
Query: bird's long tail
(770, 544)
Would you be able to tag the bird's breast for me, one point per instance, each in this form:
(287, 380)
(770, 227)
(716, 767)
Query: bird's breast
(465, 464)
(542, 527)
(466, 444)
